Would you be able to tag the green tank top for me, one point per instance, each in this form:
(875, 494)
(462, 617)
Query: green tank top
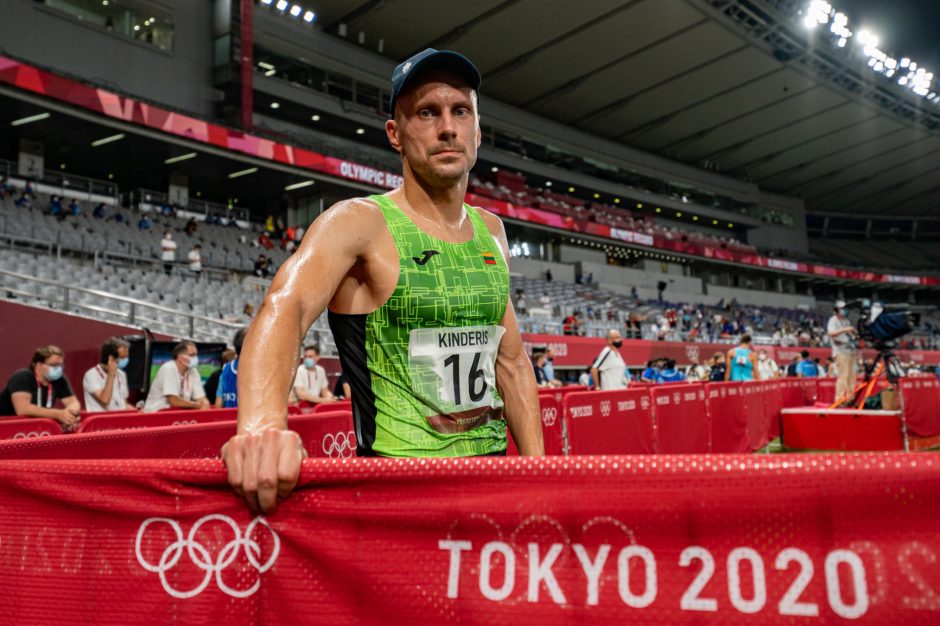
(422, 366)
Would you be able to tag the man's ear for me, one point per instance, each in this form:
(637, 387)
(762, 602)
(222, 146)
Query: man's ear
(391, 131)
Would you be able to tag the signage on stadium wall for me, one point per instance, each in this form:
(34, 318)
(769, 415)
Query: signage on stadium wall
(46, 83)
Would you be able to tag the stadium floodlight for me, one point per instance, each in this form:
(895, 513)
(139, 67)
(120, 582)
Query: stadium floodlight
(360, 131)
(570, 189)
(315, 117)
(246, 172)
(905, 62)
(182, 157)
(309, 16)
(275, 105)
(30, 119)
(106, 140)
(265, 65)
(282, 5)
(268, 2)
(548, 183)
(271, 72)
(305, 183)
(494, 169)
(296, 10)
(841, 43)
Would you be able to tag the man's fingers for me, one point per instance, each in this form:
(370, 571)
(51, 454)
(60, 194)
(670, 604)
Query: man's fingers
(252, 459)
(267, 470)
(233, 457)
(289, 461)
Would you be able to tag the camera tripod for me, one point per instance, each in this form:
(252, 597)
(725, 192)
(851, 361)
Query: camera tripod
(886, 363)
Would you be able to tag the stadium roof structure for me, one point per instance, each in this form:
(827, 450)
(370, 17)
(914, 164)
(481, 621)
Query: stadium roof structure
(736, 86)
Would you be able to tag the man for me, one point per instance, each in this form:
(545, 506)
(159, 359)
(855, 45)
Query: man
(194, 260)
(608, 368)
(426, 336)
(310, 383)
(717, 371)
(766, 366)
(538, 366)
(806, 368)
(743, 362)
(549, 368)
(34, 391)
(228, 381)
(842, 337)
(669, 373)
(168, 252)
(572, 323)
(177, 384)
(105, 384)
(651, 373)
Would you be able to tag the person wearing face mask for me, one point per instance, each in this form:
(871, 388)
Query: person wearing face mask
(228, 382)
(177, 384)
(608, 367)
(35, 391)
(766, 366)
(842, 337)
(168, 252)
(105, 384)
(310, 382)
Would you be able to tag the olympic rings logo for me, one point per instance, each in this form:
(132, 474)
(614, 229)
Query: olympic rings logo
(184, 422)
(605, 408)
(339, 445)
(32, 435)
(201, 558)
(549, 416)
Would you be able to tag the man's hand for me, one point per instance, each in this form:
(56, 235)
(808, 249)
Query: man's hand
(67, 418)
(264, 467)
(112, 365)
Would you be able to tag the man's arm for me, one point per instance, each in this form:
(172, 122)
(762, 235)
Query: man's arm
(24, 407)
(729, 361)
(263, 458)
(178, 403)
(515, 378)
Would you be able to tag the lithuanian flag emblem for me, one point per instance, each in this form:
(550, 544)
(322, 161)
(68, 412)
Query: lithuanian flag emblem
(489, 259)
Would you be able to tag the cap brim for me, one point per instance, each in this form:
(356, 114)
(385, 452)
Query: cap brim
(441, 60)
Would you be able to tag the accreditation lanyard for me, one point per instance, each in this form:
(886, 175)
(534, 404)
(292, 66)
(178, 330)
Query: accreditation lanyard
(184, 386)
(118, 387)
(50, 396)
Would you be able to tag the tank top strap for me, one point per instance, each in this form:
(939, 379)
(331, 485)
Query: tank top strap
(398, 223)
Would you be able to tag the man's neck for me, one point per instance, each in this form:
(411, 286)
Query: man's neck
(443, 205)
(181, 367)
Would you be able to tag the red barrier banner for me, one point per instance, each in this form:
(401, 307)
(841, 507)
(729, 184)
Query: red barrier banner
(791, 393)
(328, 435)
(811, 428)
(609, 422)
(727, 416)
(94, 422)
(920, 402)
(681, 419)
(808, 386)
(826, 390)
(553, 429)
(573, 351)
(606, 540)
(29, 428)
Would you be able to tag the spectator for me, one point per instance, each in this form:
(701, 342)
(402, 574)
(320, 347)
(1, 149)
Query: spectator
(310, 383)
(100, 212)
(538, 364)
(831, 368)
(585, 379)
(279, 229)
(33, 391)
(571, 324)
(660, 288)
(194, 258)
(548, 275)
(842, 337)
(695, 372)
(651, 373)
(290, 236)
(261, 266)
(24, 201)
(669, 373)
(718, 369)
(105, 384)
(265, 241)
(6, 189)
(807, 367)
(212, 383)
(342, 390)
(228, 381)
(55, 206)
(177, 384)
(792, 371)
(607, 369)
(74, 209)
(168, 252)
(546, 301)
(549, 368)
(520, 303)
(144, 222)
(299, 234)
(766, 366)
(743, 362)
(269, 224)
(191, 226)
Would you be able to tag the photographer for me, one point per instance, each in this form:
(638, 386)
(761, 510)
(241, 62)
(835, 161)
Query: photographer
(842, 336)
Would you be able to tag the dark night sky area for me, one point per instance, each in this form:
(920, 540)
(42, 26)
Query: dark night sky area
(905, 27)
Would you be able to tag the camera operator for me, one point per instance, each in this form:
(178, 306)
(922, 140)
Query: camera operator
(842, 336)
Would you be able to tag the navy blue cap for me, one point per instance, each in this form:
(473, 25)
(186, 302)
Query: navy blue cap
(427, 59)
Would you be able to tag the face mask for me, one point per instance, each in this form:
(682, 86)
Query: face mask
(54, 373)
(122, 363)
(193, 361)
(763, 357)
(842, 312)
(310, 363)
(617, 343)
(550, 359)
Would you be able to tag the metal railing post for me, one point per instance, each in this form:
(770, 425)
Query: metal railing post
(65, 299)
(132, 313)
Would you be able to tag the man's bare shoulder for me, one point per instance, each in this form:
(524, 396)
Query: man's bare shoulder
(357, 211)
(492, 221)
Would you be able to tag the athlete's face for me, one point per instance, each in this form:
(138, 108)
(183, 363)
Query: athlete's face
(436, 128)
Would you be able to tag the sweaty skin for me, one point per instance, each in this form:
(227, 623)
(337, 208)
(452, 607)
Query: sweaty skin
(348, 261)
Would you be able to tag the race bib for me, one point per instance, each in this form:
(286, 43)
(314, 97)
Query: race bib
(454, 369)
(741, 360)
